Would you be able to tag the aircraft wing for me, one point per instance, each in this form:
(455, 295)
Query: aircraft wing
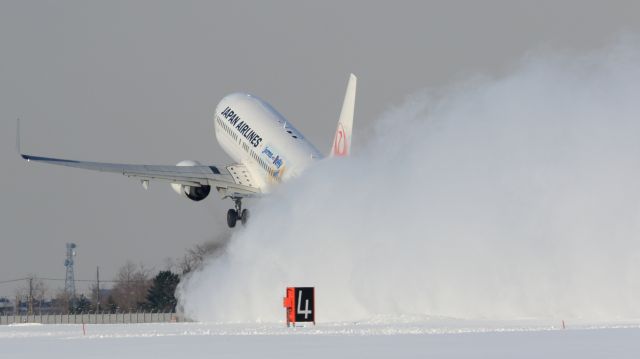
(232, 181)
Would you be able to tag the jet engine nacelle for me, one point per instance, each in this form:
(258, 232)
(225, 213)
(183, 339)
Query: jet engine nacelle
(191, 192)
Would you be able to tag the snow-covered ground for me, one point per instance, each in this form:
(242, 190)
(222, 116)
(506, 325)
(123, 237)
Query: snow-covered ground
(380, 338)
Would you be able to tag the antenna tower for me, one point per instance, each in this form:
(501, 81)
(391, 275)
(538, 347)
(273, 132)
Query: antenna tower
(69, 279)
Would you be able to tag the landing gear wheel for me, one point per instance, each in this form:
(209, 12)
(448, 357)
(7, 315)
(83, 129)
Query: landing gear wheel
(244, 216)
(232, 217)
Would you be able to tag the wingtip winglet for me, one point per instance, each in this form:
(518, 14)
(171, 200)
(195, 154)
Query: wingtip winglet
(18, 136)
(18, 147)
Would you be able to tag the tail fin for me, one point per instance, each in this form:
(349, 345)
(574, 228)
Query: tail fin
(342, 140)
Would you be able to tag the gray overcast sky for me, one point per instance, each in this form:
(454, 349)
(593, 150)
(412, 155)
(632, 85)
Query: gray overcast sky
(137, 81)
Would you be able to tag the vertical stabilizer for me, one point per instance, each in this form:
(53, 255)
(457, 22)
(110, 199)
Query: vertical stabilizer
(342, 139)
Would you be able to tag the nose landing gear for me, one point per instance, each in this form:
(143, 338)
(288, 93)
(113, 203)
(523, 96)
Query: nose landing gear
(233, 215)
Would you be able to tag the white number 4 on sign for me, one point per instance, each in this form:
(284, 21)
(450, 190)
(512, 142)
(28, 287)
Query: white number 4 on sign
(306, 310)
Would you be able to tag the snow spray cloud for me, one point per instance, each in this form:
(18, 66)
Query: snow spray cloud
(508, 198)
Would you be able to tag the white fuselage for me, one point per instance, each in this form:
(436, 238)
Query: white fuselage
(254, 134)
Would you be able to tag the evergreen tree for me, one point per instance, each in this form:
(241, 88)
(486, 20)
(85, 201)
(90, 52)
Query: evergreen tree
(82, 304)
(161, 296)
(112, 307)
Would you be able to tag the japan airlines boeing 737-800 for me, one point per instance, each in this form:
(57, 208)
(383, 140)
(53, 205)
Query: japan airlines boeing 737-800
(266, 149)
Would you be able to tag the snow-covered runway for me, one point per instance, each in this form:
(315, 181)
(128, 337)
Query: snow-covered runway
(382, 338)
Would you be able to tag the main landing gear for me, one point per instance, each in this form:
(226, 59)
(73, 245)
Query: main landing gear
(233, 215)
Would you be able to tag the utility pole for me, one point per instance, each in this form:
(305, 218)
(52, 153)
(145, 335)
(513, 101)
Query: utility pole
(98, 289)
(30, 310)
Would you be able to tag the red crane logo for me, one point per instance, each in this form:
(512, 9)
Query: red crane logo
(340, 142)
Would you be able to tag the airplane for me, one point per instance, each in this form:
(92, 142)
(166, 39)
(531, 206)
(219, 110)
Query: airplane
(265, 147)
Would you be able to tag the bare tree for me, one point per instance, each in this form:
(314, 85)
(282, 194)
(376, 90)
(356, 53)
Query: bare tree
(38, 292)
(61, 302)
(32, 293)
(131, 287)
(95, 297)
(19, 298)
(196, 256)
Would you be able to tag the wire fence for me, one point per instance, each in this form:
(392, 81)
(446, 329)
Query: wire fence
(93, 318)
